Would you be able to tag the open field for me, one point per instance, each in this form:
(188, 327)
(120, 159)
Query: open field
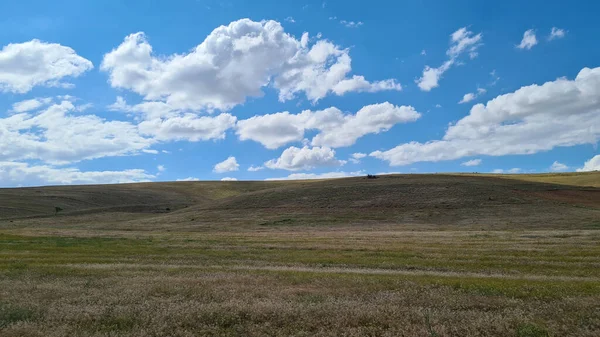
(403, 255)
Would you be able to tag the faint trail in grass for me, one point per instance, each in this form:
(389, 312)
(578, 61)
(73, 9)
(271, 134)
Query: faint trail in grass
(340, 270)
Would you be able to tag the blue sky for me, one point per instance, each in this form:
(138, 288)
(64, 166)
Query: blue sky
(119, 91)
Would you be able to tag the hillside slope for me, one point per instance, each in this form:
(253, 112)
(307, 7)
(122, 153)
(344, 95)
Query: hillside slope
(471, 201)
(128, 198)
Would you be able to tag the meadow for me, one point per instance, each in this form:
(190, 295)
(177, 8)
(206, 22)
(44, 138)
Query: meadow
(402, 255)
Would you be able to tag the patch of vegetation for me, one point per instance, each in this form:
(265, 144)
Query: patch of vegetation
(10, 314)
(531, 330)
(282, 222)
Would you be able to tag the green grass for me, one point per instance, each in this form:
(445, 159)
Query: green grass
(531, 330)
(406, 255)
(10, 314)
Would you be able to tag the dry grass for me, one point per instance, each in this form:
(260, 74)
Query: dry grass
(347, 257)
(591, 179)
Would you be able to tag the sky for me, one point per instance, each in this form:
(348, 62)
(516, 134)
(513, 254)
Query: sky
(128, 91)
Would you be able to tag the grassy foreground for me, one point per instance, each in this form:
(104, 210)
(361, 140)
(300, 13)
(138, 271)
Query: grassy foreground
(287, 274)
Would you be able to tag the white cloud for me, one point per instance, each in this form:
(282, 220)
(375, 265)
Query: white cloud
(339, 130)
(356, 157)
(336, 129)
(467, 98)
(290, 19)
(558, 167)
(30, 104)
(591, 165)
(150, 151)
(461, 41)
(17, 173)
(328, 175)
(272, 130)
(556, 33)
(359, 84)
(161, 168)
(253, 168)
(233, 63)
(295, 159)
(351, 24)
(471, 96)
(229, 179)
(36, 63)
(189, 179)
(512, 170)
(56, 135)
(165, 123)
(438, 106)
(532, 119)
(432, 76)
(529, 40)
(423, 52)
(188, 127)
(473, 162)
(228, 165)
(495, 78)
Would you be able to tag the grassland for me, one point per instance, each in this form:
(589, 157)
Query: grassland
(429, 255)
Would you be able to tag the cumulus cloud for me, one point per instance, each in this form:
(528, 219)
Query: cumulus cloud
(558, 167)
(229, 179)
(591, 165)
(233, 63)
(328, 175)
(59, 135)
(532, 119)
(253, 168)
(188, 127)
(272, 130)
(431, 76)
(336, 129)
(467, 98)
(295, 159)
(165, 123)
(556, 33)
(161, 168)
(356, 157)
(529, 40)
(472, 95)
(473, 162)
(18, 173)
(36, 63)
(30, 104)
(461, 41)
(228, 165)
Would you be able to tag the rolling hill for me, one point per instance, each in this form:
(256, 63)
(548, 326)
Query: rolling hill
(490, 201)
